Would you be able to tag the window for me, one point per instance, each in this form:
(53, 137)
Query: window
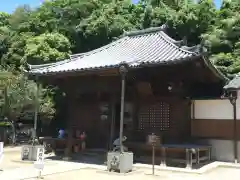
(154, 116)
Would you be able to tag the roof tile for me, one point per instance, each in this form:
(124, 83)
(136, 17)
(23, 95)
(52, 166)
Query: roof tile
(135, 49)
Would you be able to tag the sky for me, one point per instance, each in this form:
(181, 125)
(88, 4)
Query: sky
(9, 5)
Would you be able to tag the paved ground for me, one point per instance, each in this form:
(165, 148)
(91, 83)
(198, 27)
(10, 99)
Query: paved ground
(14, 169)
(222, 173)
(91, 174)
(11, 159)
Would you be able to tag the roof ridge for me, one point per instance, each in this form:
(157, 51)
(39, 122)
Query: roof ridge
(195, 49)
(76, 55)
(167, 39)
(144, 31)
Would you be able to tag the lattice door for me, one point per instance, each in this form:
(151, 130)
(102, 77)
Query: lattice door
(154, 116)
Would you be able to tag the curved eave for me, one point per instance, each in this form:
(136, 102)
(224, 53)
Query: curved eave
(131, 67)
(218, 73)
(231, 89)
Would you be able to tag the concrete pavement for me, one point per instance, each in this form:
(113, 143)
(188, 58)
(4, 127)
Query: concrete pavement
(74, 171)
(30, 172)
(92, 174)
(14, 169)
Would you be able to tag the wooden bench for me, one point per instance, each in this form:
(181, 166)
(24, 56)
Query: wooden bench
(182, 153)
(58, 144)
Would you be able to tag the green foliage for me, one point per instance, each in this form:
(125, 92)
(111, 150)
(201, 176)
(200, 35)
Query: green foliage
(63, 16)
(5, 124)
(191, 21)
(16, 45)
(109, 21)
(18, 21)
(4, 19)
(223, 38)
(47, 47)
(18, 97)
(174, 4)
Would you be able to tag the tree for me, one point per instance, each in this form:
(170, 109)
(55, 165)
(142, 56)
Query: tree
(46, 48)
(63, 16)
(223, 38)
(109, 22)
(20, 98)
(18, 95)
(174, 4)
(191, 21)
(5, 34)
(14, 53)
(4, 19)
(19, 19)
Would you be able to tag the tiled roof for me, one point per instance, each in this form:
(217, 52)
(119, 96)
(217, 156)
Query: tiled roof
(138, 48)
(234, 84)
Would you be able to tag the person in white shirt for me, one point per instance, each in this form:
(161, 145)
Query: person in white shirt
(116, 144)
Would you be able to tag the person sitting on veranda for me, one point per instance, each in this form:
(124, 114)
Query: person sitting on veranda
(116, 144)
(83, 139)
(61, 133)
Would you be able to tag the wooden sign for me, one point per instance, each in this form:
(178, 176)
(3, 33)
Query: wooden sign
(39, 163)
(40, 154)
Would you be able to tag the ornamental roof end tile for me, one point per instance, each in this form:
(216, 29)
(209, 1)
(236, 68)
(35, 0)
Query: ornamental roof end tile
(234, 84)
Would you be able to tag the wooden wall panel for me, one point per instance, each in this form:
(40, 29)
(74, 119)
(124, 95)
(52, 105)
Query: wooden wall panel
(214, 128)
(180, 121)
(86, 117)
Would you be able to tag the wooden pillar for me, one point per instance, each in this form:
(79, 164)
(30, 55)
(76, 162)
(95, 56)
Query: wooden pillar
(135, 109)
(123, 72)
(113, 119)
(69, 143)
(192, 119)
(193, 110)
(235, 133)
(233, 101)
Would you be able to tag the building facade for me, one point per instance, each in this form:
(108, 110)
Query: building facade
(162, 85)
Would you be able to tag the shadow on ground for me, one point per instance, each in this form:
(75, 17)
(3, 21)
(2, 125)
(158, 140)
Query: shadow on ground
(99, 157)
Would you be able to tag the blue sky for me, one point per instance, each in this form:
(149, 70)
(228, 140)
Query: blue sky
(9, 5)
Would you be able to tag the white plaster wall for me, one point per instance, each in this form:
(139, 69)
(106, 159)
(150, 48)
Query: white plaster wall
(215, 109)
(222, 150)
